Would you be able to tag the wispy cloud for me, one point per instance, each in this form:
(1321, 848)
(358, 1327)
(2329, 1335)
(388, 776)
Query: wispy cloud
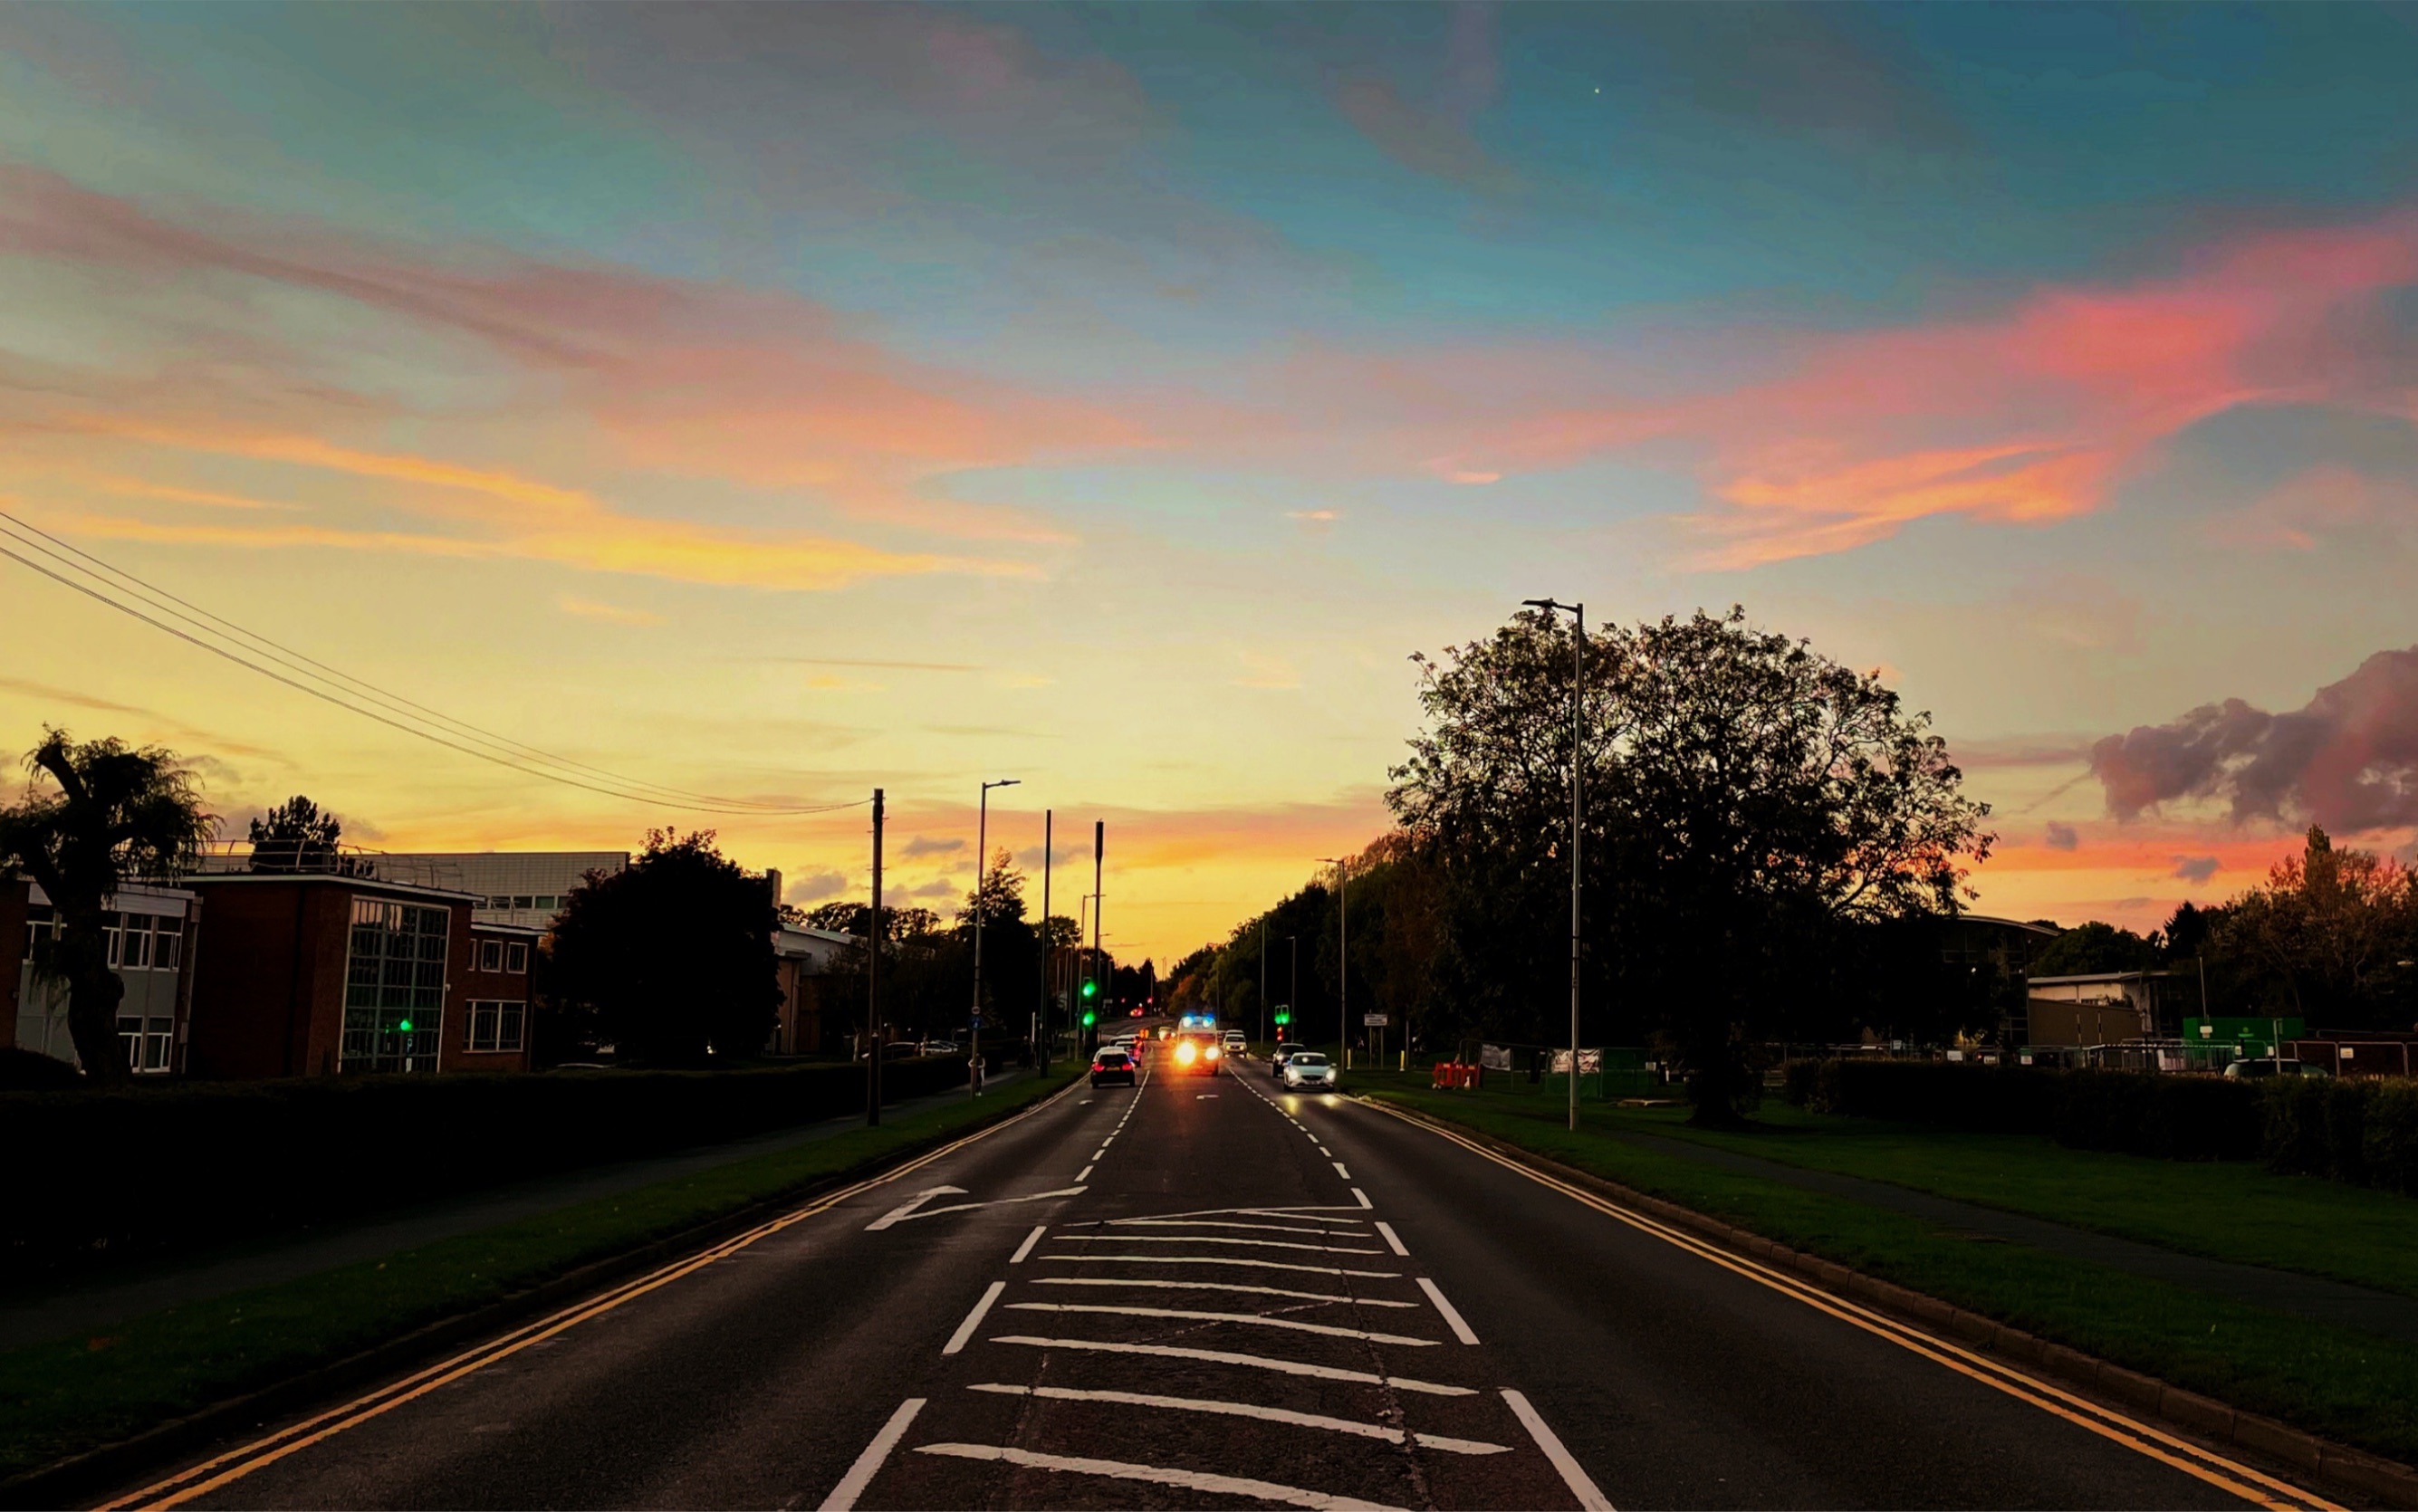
(610, 613)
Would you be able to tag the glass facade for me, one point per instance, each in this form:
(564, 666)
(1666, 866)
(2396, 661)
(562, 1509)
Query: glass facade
(394, 987)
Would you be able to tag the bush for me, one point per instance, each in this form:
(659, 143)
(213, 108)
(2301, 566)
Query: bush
(2179, 1117)
(2390, 1146)
(144, 1170)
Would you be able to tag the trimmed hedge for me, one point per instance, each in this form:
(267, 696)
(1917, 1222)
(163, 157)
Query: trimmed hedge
(143, 1170)
(2363, 1132)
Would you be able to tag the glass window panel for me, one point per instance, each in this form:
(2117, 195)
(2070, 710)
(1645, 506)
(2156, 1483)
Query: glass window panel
(516, 960)
(508, 1029)
(134, 943)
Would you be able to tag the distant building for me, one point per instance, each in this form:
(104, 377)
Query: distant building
(511, 887)
(804, 959)
(151, 933)
(326, 974)
(2103, 1008)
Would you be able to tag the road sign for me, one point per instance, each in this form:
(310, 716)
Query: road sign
(1376, 1020)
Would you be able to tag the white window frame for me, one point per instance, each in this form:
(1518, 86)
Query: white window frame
(490, 956)
(516, 957)
(495, 1026)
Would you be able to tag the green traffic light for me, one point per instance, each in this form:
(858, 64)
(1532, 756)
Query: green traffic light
(1091, 989)
(404, 1027)
(1090, 1018)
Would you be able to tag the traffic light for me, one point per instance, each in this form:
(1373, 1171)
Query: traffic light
(1090, 1018)
(1090, 990)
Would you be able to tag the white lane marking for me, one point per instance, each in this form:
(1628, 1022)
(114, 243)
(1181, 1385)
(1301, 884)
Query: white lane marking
(1202, 1097)
(1085, 1174)
(994, 1202)
(1223, 1223)
(1582, 1486)
(1195, 1480)
(974, 1320)
(1252, 1243)
(905, 1209)
(1261, 1212)
(1087, 1102)
(869, 1464)
(1217, 1285)
(1252, 1319)
(1363, 1196)
(1324, 1150)
(1101, 1154)
(1265, 1414)
(1257, 1362)
(1452, 1314)
(1338, 1169)
(1385, 1232)
(1029, 1240)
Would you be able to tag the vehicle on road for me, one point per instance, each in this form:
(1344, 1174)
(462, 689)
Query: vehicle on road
(940, 1047)
(1277, 1057)
(1235, 1042)
(1307, 1070)
(2267, 1067)
(1195, 1053)
(1112, 1066)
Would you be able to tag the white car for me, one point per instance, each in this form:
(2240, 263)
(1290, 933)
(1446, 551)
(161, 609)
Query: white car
(1308, 1071)
(1236, 1043)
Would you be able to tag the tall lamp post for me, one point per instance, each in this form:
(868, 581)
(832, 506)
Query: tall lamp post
(981, 841)
(1578, 789)
(1343, 920)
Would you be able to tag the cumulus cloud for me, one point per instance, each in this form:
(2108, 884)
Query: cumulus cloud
(813, 887)
(2062, 837)
(924, 845)
(2196, 868)
(2348, 759)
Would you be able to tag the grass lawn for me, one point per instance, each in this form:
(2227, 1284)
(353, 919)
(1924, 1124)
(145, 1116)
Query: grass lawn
(2349, 1386)
(61, 1398)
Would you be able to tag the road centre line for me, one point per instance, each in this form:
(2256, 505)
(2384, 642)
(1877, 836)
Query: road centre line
(1257, 1362)
(1385, 1232)
(1574, 1476)
(974, 1320)
(1217, 1285)
(1252, 1319)
(1249, 1244)
(260, 1453)
(869, 1464)
(1265, 1414)
(2229, 1475)
(1460, 1328)
(1029, 1240)
(1196, 1480)
(1085, 1174)
(1363, 1196)
(1340, 1172)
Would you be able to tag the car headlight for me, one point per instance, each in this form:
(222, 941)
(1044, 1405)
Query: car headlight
(1213, 1052)
(1186, 1053)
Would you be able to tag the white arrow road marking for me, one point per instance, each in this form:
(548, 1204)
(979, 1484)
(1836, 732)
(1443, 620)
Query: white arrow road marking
(1195, 1480)
(907, 1209)
(1452, 1314)
(1219, 1286)
(902, 1216)
(1257, 1362)
(869, 1464)
(1265, 1414)
(1226, 1260)
(1252, 1319)
(1582, 1486)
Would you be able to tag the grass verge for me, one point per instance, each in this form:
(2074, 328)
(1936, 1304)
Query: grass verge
(67, 1397)
(2352, 1387)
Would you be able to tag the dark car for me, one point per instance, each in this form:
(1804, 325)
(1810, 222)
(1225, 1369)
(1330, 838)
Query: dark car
(1111, 1065)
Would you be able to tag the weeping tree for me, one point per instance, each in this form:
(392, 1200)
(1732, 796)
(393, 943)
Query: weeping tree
(1749, 801)
(93, 816)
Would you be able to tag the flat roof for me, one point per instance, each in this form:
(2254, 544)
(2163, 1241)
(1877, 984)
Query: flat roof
(2098, 976)
(358, 884)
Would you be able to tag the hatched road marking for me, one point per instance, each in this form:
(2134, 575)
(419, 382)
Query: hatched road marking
(1196, 1480)
(1265, 1414)
(1255, 1362)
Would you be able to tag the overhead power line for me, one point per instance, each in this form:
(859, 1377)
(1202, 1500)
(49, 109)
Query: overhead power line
(76, 569)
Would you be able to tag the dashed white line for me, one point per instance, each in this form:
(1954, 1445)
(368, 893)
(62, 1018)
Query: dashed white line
(1029, 1240)
(1195, 1480)
(974, 1320)
(1257, 1362)
(1452, 1314)
(1582, 1486)
(869, 1464)
(1363, 1198)
(1217, 1285)
(1339, 1170)
(1250, 1319)
(1084, 1175)
(1385, 1232)
(1265, 1414)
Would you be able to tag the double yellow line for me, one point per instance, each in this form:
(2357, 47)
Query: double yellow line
(2238, 1479)
(211, 1475)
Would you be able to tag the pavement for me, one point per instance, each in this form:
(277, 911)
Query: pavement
(40, 1314)
(1205, 1291)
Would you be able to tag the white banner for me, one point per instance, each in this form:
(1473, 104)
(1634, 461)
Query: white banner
(1494, 1056)
(1590, 1061)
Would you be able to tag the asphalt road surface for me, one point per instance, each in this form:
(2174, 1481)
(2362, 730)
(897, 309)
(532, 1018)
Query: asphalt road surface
(1207, 1293)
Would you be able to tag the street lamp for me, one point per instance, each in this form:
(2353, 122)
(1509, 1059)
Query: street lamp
(1344, 921)
(982, 842)
(1578, 789)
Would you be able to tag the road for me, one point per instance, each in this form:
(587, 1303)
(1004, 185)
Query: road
(1206, 1292)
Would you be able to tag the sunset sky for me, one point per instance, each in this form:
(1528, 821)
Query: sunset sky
(777, 401)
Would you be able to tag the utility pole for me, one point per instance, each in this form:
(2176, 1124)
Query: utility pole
(1263, 976)
(873, 982)
(1099, 852)
(1577, 788)
(1292, 991)
(1344, 921)
(973, 1035)
(1041, 1020)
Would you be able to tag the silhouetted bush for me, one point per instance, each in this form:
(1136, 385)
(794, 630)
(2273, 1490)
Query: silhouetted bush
(2176, 1118)
(145, 1169)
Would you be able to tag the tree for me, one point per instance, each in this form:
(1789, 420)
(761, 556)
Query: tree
(674, 954)
(1010, 968)
(2095, 947)
(2324, 936)
(1747, 800)
(119, 812)
(849, 919)
(295, 837)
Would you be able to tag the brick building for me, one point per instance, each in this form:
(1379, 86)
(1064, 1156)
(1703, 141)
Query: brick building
(152, 937)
